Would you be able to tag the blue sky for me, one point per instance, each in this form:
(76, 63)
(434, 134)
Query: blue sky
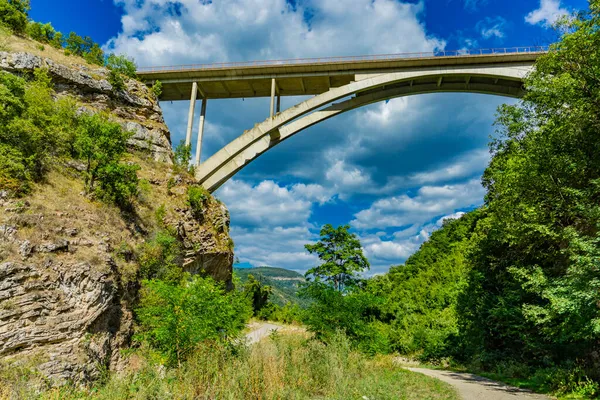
(393, 170)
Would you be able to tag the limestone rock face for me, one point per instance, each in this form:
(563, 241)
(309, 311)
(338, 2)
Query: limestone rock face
(205, 238)
(69, 276)
(57, 314)
(135, 108)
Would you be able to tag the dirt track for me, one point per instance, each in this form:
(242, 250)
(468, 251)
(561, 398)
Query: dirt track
(473, 387)
(260, 331)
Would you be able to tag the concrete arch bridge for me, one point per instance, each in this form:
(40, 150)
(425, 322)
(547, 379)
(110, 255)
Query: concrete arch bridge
(351, 81)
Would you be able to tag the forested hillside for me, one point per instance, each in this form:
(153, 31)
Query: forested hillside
(514, 287)
(283, 282)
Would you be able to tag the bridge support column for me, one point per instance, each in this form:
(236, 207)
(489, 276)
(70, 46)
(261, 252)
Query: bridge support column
(188, 136)
(278, 103)
(273, 85)
(200, 131)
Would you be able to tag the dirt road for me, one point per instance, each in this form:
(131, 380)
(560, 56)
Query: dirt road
(473, 387)
(260, 331)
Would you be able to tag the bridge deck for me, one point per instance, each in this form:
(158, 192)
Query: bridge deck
(311, 76)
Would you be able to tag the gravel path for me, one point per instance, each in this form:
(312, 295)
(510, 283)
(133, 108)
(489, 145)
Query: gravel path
(261, 331)
(473, 387)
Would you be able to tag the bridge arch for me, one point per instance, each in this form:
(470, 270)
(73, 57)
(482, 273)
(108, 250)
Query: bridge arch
(367, 89)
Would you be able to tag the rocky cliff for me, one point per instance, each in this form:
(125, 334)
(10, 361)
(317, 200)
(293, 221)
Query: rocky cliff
(68, 265)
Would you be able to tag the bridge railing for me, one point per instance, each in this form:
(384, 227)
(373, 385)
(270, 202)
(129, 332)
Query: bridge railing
(325, 60)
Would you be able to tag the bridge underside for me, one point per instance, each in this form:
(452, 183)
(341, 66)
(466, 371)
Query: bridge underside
(502, 80)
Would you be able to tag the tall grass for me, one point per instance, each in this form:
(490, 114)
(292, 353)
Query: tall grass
(281, 367)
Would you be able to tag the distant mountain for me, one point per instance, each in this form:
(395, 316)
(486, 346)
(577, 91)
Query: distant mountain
(283, 281)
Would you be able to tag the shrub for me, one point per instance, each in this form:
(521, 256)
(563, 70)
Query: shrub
(94, 55)
(175, 319)
(196, 199)
(182, 155)
(122, 65)
(157, 89)
(116, 80)
(101, 144)
(14, 14)
(159, 258)
(44, 33)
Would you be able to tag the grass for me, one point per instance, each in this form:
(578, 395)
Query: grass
(285, 366)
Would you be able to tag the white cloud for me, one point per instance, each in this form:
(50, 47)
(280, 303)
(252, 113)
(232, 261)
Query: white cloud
(271, 205)
(467, 165)
(429, 202)
(548, 13)
(156, 32)
(492, 27)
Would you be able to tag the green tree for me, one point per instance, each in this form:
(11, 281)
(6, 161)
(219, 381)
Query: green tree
(258, 293)
(75, 44)
(182, 156)
(14, 14)
(174, 319)
(94, 55)
(122, 64)
(342, 257)
(101, 144)
(534, 289)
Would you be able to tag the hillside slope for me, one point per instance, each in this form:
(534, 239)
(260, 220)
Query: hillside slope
(69, 264)
(285, 283)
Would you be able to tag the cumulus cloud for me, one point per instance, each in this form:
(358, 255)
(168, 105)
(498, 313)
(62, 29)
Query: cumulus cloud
(191, 31)
(547, 14)
(387, 149)
(428, 203)
(269, 204)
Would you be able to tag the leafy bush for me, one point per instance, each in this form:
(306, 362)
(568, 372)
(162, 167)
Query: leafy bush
(258, 293)
(34, 128)
(122, 65)
(160, 257)
(101, 145)
(44, 33)
(14, 14)
(182, 157)
(196, 199)
(116, 80)
(157, 89)
(353, 313)
(175, 319)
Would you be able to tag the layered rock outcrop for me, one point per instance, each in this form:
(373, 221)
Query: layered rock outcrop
(135, 108)
(69, 276)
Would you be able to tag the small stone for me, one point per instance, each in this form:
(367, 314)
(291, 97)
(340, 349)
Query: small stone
(25, 249)
(58, 246)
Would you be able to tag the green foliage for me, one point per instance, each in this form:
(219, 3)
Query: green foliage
(196, 199)
(101, 144)
(421, 295)
(354, 313)
(182, 156)
(175, 319)
(160, 258)
(284, 283)
(342, 258)
(157, 89)
(122, 64)
(14, 14)
(116, 80)
(258, 293)
(34, 129)
(94, 55)
(280, 367)
(44, 33)
(535, 286)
